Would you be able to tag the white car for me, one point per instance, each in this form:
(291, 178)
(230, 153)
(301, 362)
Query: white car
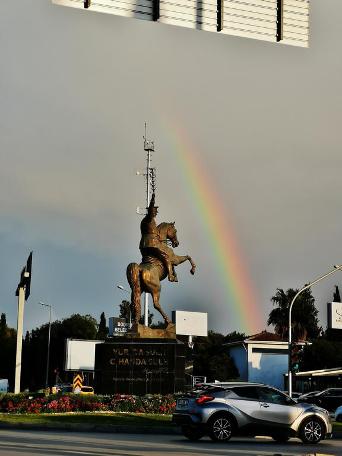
(338, 413)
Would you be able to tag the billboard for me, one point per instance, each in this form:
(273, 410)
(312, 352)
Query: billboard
(278, 21)
(190, 323)
(335, 315)
(117, 326)
(80, 354)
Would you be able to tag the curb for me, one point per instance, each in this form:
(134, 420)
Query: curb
(107, 428)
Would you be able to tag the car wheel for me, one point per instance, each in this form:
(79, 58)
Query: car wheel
(280, 438)
(221, 428)
(312, 431)
(192, 433)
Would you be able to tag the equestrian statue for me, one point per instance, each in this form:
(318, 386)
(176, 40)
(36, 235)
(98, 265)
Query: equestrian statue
(158, 262)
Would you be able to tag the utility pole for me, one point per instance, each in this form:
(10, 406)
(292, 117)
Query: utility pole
(23, 292)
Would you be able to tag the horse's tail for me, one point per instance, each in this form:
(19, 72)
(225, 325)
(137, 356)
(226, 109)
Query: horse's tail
(133, 277)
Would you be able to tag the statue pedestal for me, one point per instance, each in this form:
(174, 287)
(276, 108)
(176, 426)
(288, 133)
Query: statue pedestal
(144, 332)
(136, 365)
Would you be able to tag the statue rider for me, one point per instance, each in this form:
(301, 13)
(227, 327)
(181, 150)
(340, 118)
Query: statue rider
(151, 244)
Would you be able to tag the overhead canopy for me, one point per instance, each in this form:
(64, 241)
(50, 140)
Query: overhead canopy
(321, 373)
(283, 21)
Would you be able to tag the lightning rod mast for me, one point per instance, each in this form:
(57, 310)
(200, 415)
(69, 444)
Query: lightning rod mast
(150, 185)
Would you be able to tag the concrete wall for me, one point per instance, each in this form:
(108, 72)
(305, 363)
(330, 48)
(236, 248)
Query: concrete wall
(267, 364)
(261, 362)
(239, 355)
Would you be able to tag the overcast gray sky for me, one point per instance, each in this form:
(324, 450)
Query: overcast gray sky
(262, 120)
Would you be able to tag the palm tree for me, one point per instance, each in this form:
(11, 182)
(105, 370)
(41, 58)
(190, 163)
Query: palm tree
(304, 315)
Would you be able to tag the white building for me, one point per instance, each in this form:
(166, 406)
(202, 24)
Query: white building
(261, 358)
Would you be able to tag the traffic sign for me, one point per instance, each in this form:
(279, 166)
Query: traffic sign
(77, 383)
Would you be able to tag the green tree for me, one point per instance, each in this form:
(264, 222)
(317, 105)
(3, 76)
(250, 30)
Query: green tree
(3, 324)
(158, 325)
(234, 337)
(125, 310)
(150, 319)
(304, 315)
(102, 332)
(322, 354)
(337, 297)
(74, 327)
(8, 340)
(211, 358)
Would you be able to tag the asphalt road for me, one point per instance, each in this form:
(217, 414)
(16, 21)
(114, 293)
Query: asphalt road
(15, 443)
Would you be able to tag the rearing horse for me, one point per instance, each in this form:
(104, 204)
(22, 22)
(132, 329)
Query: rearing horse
(146, 276)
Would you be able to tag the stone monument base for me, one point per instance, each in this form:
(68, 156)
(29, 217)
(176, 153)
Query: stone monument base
(144, 332)
(139, 366)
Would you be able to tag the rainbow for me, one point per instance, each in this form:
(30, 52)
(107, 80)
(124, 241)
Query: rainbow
(230, 264)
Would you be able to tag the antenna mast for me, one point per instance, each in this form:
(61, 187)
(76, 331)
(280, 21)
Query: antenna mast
(150, 172)
(150, 186)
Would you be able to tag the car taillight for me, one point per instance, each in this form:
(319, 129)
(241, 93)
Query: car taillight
(203, 399)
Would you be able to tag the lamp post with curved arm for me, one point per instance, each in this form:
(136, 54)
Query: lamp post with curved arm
(336, 268)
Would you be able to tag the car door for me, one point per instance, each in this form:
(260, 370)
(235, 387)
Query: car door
(276, 407)
(331, 399)
(245, 399)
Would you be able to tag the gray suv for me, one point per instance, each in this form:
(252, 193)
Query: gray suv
(223, 410)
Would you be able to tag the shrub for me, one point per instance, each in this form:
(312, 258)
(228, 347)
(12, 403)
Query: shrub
(27, 403)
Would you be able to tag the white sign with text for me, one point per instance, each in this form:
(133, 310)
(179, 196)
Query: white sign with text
(335, 315)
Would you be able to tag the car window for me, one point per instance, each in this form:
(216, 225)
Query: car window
(210, 390)
(329, 392)
(274, 397)
(229, 393)
(336, 392)
(246, 392)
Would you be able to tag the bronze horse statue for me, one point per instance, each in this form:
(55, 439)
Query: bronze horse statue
(146, 276)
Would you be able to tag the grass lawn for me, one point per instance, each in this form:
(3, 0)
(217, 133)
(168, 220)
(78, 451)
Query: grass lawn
(124, 419)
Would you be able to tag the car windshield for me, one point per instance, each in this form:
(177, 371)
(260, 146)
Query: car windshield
(275, 397)
(312, 393)
(203, 389)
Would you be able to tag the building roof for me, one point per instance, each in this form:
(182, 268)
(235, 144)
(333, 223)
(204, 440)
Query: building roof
(262, 337)
(265, 336)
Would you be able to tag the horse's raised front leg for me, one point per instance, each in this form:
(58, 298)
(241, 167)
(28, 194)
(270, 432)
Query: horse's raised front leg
(156, 303)
(178, 259)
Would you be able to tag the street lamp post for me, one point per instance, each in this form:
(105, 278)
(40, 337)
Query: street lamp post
(130, 313)
(336, 268)
(48, 347)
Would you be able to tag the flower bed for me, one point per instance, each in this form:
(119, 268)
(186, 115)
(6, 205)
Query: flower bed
(26, 403)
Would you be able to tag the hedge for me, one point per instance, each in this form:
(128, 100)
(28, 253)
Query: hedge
(29, 403)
